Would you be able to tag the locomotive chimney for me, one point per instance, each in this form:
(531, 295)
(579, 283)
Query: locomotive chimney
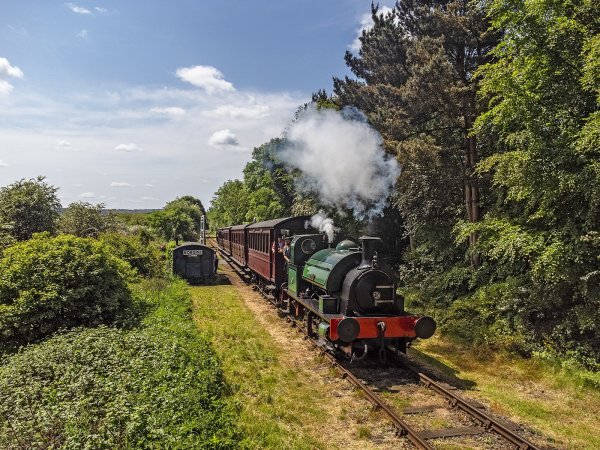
(368, 250)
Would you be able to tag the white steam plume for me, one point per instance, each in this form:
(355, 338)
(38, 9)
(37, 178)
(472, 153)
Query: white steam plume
(324, 224)
(341, 159)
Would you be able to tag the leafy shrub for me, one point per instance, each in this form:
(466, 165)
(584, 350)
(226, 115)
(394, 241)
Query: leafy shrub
(50, 283)
(144, 258)
(113, 388)
(491, 317)
(158, 386)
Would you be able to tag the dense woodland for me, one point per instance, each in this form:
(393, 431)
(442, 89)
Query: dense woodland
(491, 108)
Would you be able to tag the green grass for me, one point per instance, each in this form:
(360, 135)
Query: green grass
(278, 408)
(551, 399)
(156, 385)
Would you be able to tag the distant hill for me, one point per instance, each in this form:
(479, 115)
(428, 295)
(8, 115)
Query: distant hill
(124, 211)
(131, 211)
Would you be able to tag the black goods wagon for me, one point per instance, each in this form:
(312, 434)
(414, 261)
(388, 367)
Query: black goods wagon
(194, 262)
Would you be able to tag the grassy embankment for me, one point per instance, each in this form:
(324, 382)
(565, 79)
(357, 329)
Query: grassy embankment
(271, 400)
(556, 401)
(157, 384)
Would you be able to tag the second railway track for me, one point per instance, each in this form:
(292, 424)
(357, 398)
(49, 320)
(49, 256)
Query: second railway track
(481, 422)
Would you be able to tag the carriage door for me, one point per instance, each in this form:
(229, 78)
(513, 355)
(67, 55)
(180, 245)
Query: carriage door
(272, 255)
(193, 266)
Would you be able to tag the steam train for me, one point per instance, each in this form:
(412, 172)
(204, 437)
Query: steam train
(344, 294)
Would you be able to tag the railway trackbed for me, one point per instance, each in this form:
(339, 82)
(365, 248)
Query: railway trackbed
(470, 418)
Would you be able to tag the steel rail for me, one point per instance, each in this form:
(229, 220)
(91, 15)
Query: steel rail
(486, 420)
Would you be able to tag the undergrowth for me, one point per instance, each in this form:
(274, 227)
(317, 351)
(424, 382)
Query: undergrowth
(157, 385)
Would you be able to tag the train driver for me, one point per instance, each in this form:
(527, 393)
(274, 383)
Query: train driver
(286, 250)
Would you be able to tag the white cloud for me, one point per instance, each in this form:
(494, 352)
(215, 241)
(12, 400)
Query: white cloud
(366, 23)
(241, 112)
(83, 34)
(149, 198)
(101, 10)
(20, 31)
(87, 195)
(63, 144)
(223, 138)
(78, 9)
(169, 111)
(120, 184)
(3, 164)
(149, 185)
(5, 87)
(128, 148)
(118, 138)
(6, 70)
(205, 77)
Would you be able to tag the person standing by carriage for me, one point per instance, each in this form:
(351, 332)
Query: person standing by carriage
(286, 250)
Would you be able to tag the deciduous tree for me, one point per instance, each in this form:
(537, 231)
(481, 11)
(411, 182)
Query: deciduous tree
(27, 207)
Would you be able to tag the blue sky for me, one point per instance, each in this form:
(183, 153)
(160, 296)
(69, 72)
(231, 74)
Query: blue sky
(133, 103)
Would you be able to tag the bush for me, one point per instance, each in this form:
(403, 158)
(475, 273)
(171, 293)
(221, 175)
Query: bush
(112, 388)
(158, 386)
(84, 220)
(28, 207)
(144, 258)
(51, 283)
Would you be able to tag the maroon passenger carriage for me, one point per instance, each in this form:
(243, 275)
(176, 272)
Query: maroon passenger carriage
(255, 247)
(224, 240)
(239, 251)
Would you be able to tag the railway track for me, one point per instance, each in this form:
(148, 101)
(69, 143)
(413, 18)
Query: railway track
(419, 438)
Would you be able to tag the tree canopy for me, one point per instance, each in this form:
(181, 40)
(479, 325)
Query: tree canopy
(84, 219)
(27, 207)
(179, 219)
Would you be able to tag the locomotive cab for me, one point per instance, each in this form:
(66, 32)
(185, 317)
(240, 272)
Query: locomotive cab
(302, 248)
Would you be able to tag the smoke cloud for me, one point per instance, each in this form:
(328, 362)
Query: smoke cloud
(324, 224)
(341, 159)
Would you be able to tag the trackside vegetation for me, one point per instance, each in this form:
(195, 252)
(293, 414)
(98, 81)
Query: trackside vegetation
(270, 399)
(556, 400)
(155, 385)
(98, 349)
(48, 283)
